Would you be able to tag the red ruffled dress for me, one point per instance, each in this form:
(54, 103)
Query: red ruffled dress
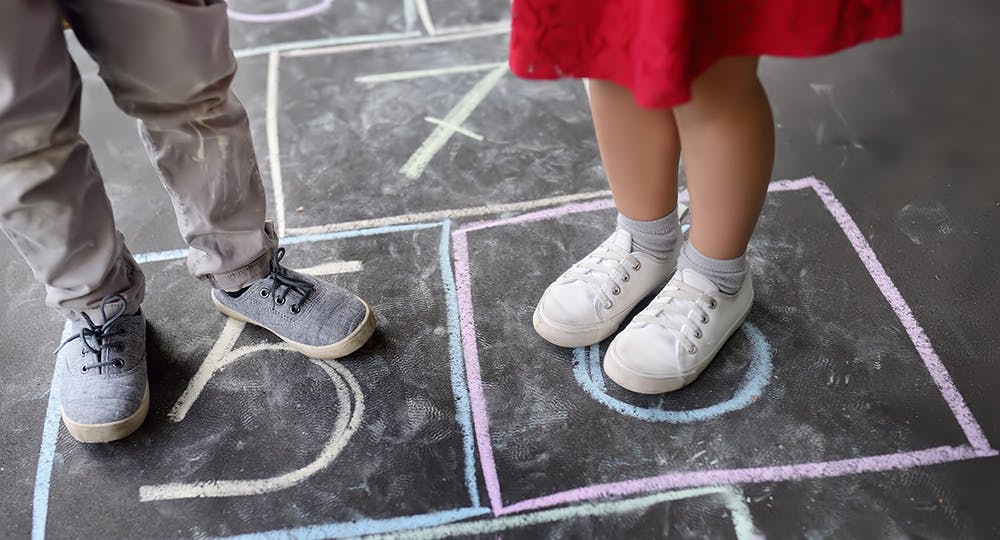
(657, 47)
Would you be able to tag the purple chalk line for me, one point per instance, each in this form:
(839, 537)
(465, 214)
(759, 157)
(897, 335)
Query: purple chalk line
(477, 399)
(938, 372)
(540, 215)
(823, 469)
(974, 433)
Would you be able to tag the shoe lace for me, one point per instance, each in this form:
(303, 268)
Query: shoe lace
(95, 338)
(279, 278)
(681, 310)
(599, 269)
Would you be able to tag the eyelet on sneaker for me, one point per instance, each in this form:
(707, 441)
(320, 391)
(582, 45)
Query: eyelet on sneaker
(704, 319)
(83, 369)
(692, 349)
(83, 352)
(295, 309)
(119, 363)
(264, 293)
(122, 331)
(609, 305)
(625, 278)
(616, 291)
(636, 266)
(119, 347)
(713, 304)
(280, 300)
(697, 334)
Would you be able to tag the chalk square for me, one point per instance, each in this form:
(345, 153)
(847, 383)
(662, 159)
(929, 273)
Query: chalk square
(260, 25)
(517, 454)
(273, 412)
(346, 138)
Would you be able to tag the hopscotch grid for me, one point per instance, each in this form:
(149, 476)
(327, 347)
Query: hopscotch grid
(302, 48)
(463, 414)
(979, 448)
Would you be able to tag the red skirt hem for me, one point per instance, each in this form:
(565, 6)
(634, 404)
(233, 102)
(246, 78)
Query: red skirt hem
(530, 61)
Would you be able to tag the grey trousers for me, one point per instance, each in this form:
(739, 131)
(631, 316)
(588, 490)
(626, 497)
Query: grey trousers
(168, 64)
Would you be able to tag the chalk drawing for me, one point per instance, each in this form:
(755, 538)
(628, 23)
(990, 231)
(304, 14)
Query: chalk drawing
(422, 73)
(971, 428)
(453, 127)
(425, 17)
(46, 452)
(415, 166)
(463, 412)
(328, 42)
(273, 144)
(409, 15)
(732, 498)
(354, 527)
(979, 445)
(455, 213)
(218, 356)
(350, 409)
(587, 371)
(394, 40)
(281, 16)
(332, 268)
(442, 524)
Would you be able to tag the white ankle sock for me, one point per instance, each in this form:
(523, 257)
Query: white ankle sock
(726, 274)
(657, 238)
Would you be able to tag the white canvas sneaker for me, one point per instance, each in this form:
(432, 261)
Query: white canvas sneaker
(668, 344)
(590, 300)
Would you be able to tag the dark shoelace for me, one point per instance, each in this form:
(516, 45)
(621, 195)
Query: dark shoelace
(96, 338)
(279, 277)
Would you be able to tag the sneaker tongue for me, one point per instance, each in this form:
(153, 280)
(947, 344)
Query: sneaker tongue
(698, 281)
(623, 239)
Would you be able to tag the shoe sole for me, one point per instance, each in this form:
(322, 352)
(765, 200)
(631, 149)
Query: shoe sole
(645, 384)
(340, 349)
(567, 338)
(110, 431)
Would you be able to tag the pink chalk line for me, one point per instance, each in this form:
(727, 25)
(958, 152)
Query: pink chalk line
(970, 427)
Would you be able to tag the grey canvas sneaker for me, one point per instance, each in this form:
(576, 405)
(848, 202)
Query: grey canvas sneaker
(104, 394)
(316, 318)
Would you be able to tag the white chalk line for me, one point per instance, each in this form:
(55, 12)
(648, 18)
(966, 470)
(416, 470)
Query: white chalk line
(421, 73)
(415, 166)
(409, 15)
(350, 412)
(425, 17)
(214, 360)
(273, 142)
(472, 33)
(437, 215)
(732, 499)
(332, 268)
(457, 129)
(465, 28)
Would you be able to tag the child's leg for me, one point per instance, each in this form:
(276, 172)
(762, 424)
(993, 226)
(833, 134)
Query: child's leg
(640, 150)
(728, 136)
(728, 141)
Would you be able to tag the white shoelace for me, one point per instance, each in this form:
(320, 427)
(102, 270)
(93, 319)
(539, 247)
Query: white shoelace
(599, 268)
(681, 310)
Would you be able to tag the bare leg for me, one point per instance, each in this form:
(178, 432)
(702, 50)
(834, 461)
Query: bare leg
(640, 149)
(728, 136)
